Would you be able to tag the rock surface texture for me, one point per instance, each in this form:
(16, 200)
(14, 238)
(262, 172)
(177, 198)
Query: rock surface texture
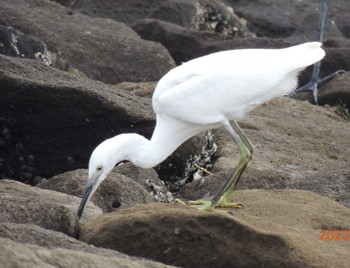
(75, 72)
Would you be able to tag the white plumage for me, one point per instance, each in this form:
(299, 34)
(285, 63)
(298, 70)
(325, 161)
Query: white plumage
(206, 93)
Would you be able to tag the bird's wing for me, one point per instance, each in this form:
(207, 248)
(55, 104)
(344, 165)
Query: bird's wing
(210, 97)
(231, 83)
(212, 88)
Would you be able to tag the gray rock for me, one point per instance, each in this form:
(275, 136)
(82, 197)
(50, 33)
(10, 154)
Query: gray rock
(17, 44)
(141, 89)
(193, 43)
(101, 49)
(116, 191)
(14, 254)
(148, 179)
(296, 21)
(200, 15)
(337, 91)
(52, 210)
(52, 120)
(19, 236)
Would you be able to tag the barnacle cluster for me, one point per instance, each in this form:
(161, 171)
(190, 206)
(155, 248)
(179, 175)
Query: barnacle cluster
(198, 165)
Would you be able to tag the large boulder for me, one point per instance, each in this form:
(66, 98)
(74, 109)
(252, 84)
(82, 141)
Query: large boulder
(336, 92)
(276, 229)
(51, 210)
(102, 49)
(297, 145)
(117, 190)
(199, 15)
(27, 245)
(297, 21)
(17, 44)
(52, 120)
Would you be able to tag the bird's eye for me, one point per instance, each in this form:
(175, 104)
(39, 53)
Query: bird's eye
(99, 168)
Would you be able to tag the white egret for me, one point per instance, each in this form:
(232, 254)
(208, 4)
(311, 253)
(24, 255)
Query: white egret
(206, 93)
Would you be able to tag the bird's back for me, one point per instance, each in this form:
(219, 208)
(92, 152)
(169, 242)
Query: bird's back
(229, 84)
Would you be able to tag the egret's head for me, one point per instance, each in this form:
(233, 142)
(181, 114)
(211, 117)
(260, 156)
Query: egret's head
(103, 159)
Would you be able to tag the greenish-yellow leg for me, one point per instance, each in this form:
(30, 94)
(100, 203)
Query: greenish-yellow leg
(222, 198)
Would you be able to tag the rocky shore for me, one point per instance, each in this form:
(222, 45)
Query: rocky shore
(73, 73)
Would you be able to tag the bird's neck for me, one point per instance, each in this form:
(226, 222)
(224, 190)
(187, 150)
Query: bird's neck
(168, 135)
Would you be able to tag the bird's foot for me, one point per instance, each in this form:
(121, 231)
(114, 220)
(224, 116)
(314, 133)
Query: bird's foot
(210, 207)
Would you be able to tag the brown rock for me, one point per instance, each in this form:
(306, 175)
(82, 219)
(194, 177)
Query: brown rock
(116, 191)
(297, 145)
(25, 235)
(141, 89)
(20, 255)
(148, 179)
(52, 210)
(277, 229)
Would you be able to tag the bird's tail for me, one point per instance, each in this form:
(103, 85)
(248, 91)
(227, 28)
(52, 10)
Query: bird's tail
(305, 54)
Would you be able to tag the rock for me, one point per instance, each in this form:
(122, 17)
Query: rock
(78, 114)
(148, 179)
(340, 9)
(35, 235)
(294, 148)
(199, 15)
(177, 11)
(50, 121)
(331, 182)
(77, 254)
(16, 44)
(89, 45)
(21, 203)
(337, 58)
(296, 21)
(170, 35)
(337, 91)
(70, 182)
(196, 43)
(22, 237)
(277, 229)
(336, 42)
(67, 3)
(141, 89)
(116, 191)
(14, 254)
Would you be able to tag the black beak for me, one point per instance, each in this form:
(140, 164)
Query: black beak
(85, 199)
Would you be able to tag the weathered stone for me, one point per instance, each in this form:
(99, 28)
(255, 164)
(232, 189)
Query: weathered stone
(52, 210)
(193, 43)
(297, 21)
(58, 118)
(116, 191)
(102, 49)
(276, 229)
(66, 252)
(148, 179)
(200, 15)
(294, 148)
(141, 89)
(337, 91)
(16, 44)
